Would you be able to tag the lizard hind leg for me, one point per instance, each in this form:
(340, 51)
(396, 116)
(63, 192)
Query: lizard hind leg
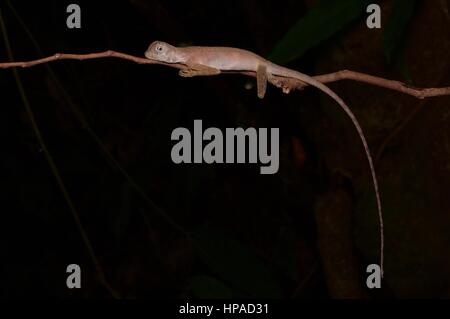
(261, 80)
(285, 84)
(192, 70)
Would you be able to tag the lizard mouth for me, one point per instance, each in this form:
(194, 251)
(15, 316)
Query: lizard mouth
(150, 55)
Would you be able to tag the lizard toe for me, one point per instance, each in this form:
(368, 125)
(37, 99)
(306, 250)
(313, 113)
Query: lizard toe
(185, 73)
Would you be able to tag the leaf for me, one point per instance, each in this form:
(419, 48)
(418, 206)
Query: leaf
(402, 13)
(209, 287)
(319, 24)
(236, 265)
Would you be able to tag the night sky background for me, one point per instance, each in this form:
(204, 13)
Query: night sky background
(161, 230)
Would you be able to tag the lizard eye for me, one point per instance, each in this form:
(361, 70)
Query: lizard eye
(159, 48)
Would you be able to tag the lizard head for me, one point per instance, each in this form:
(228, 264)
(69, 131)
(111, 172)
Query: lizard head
(161, 51)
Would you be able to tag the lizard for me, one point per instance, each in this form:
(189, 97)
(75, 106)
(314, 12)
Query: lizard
(206, 61)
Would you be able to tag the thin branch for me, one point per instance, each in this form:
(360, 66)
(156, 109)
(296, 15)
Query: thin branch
(419, 93)
(86, 56)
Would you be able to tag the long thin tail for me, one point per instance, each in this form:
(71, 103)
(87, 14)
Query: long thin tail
(309, 80)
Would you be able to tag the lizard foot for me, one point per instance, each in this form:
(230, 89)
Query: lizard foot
(186, 73)
(285, 84)
(198, 70)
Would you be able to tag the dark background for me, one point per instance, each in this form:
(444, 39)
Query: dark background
(308, 231)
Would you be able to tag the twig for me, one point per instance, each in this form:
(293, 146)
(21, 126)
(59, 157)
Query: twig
(420, 93)
(70, 56)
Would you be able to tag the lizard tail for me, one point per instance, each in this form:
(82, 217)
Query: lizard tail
(285, 72)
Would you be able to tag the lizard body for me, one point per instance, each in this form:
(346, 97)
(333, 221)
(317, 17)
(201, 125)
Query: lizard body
(202, 61)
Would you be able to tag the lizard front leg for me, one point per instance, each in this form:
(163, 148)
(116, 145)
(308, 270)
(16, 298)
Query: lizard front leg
(193, 69)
